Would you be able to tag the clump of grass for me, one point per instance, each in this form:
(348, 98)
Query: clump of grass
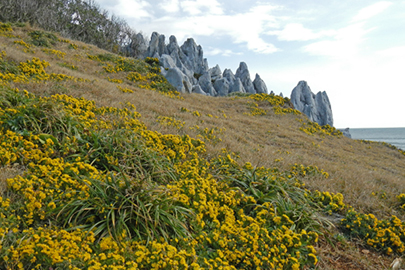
(119, 206)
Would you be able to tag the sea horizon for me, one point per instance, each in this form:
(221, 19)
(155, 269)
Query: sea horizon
(393, 135)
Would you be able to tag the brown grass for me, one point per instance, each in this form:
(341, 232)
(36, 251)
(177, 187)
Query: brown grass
(356, 169)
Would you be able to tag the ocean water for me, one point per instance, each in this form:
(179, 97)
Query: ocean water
(394, 136)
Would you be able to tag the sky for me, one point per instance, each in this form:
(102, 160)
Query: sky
(353, 50)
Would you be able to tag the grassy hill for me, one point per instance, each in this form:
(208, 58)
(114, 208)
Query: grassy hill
(104, 166)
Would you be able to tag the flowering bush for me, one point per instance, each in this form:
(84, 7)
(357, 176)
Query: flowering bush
(386, 235)
(170, 121)
(117, 185)
(279, 104)
(311, 128)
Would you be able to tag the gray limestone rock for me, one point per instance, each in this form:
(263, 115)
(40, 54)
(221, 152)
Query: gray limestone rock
(205, 64)
(222, 87)
(162, 46)
(237, 87)
(157, 46)
(167, 61)
(228, 74)
(193, 56)
(153, 45)
(215, 73)
(185, 67)
(173, 46)
(179, 80)
(163, 71)
(197, 90)
(324, 115)
(243, 74)
(316, 107)
(205, 82)
(259, 85)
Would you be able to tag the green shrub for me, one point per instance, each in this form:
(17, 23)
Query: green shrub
(43, 39)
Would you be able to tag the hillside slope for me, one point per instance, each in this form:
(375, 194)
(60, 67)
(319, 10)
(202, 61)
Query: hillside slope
(99, 150)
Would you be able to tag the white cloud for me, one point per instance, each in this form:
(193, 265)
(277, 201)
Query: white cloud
(394, 52)
(297, 32)
(198, 7)
(345, 43)
(243, 28)
(371, 11)
(170, 6)
(132, 8)
(217, 51)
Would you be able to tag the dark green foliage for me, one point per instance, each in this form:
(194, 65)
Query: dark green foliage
(42, 39)
(76, 19)
(197, 75)
(152, 61)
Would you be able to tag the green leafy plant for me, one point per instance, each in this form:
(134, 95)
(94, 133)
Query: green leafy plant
(118, 205)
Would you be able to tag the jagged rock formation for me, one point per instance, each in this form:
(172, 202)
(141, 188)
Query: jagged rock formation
(259, 85)
(316, 107)
(186, 69)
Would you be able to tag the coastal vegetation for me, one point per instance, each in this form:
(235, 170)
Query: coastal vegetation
(104, 166)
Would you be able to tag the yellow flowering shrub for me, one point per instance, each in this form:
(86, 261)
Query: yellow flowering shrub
(91, 166)
(57, 53)
(386, 235)
(125, 89)
(209, 135)
(27, 47)
(170, 121)
(312, 128)
(5, 29)
(255, 110)
(279, 104)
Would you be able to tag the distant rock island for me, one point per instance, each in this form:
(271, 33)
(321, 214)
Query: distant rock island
(187, 70)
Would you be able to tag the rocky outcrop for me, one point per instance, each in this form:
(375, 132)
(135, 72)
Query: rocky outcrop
(197, 90)
(186, 68)
(259, 85)
(316, 107)
(243, 74)
(180, 81)
(222, 87)
(206, 85)
(215, 73)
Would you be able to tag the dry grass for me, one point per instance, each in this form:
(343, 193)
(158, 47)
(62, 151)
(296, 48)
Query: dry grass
(357, 170)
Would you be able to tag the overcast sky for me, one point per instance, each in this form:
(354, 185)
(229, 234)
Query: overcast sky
(353, 50)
